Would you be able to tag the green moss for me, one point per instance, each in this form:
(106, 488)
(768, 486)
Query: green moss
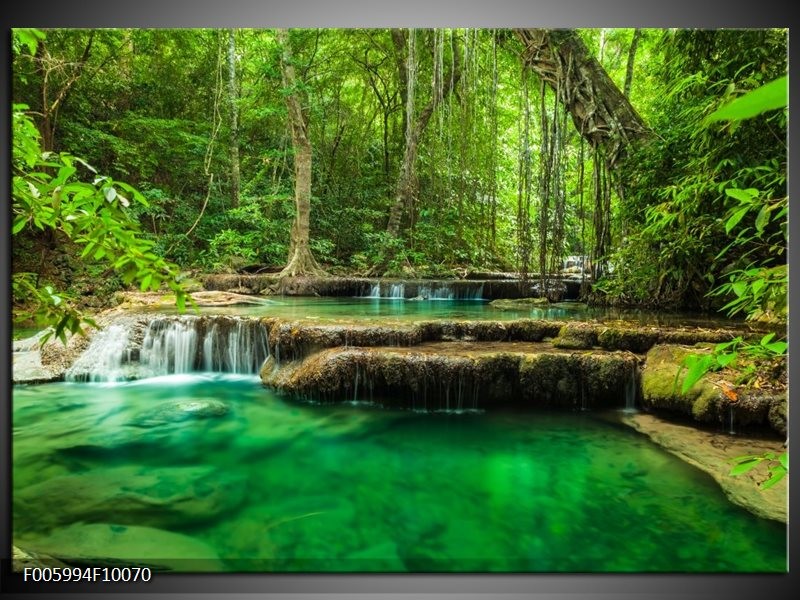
(576, 337)
(635, 340)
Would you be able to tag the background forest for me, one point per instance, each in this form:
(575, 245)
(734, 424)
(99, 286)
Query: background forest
(433, 152)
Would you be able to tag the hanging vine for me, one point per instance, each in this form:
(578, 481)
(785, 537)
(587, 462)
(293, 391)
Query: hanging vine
(524, 184)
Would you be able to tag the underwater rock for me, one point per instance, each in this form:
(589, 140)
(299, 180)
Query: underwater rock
(181, 410)
(111, 544)
(165, 497)
(518, 303)
(704, 402)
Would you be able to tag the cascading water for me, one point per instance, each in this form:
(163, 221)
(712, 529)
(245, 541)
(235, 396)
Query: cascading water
(169, 346)
(397, 291)
(103, 359)
(174, 345)
(630, 391)
(375, 291)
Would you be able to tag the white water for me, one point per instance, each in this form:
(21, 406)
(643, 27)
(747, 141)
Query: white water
(169, 347)
(173, 346)
(103, 359)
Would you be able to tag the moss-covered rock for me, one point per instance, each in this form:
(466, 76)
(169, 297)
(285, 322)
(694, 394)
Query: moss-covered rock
(457, 376)
(577, 336)
(706, 401)
(519, 303)
(638, 340)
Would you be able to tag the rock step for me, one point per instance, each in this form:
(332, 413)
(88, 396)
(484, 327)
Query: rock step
(459, 375)
(290, 339)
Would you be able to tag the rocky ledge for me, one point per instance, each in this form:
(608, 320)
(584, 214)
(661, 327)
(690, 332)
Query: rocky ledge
(712, 453)
(458, 375)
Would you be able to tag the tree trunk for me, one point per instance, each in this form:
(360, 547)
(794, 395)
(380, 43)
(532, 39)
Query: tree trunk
(406, 184)
(601, 113)
(301, 261)
(626, 91)
(234, 114)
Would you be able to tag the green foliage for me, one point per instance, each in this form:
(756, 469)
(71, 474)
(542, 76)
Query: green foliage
(770, 96)
(777, 466)
(48, 194)
(737, 352)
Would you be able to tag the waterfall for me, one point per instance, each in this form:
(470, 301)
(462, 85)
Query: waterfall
(731, 430)
(172, 345)
(437, 292)
(169, 346)
(630, 391)
(375, 291)
(397, 291)
(103, 359)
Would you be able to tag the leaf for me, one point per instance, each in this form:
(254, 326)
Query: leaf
(747, 195)
(19, 224)
(777, 475)
(725, 359)
(784, 460)
(735, 218)
(767, 339)
(110, 193)
(739, 287)
(730, 393)
(777, 347)
(744, 467)
(698, 366)
(767, 97)
(763, 218)
(146, 281)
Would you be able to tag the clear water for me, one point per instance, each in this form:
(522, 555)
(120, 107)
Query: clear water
(155, 466)
(367, 309)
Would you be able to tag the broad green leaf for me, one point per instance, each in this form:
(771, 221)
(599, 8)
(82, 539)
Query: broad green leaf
(739, 287)
(725, 359)
(770, 96)
(742, 195)
(19, 224)
(777, 474)
(777, 347)
(744, 467)
(146, 281)
(767, 339)
(735, 218)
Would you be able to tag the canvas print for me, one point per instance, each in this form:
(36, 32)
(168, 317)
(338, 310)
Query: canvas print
(399, 300)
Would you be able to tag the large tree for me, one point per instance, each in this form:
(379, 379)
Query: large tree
(301, 260)
(600, 111)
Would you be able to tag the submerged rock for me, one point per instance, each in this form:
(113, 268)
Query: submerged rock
(174, 496)
(518, 303)
(116, 544)
(181, 410)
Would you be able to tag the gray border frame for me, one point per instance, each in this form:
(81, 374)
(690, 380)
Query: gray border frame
(385, 13)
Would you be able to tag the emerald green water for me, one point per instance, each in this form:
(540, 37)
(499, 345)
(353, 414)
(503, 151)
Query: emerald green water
(127, 472)
(372, 309)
